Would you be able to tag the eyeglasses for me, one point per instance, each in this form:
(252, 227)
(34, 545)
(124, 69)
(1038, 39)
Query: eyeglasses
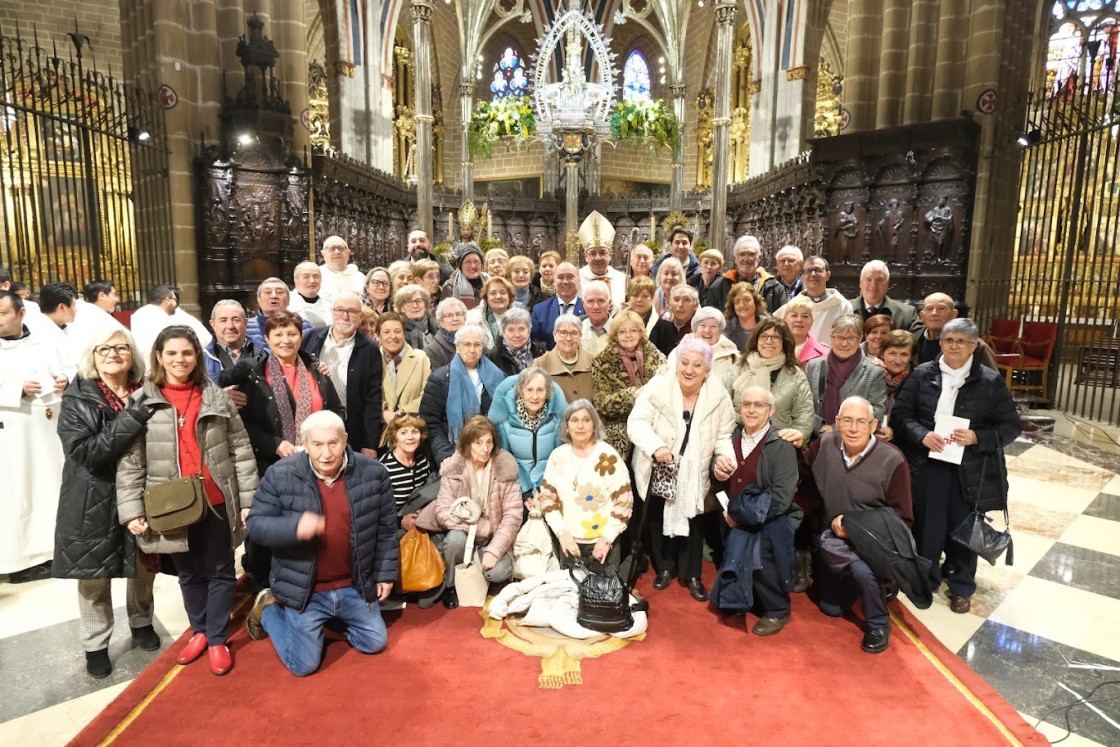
(861, 422)
(755, 405)
(953, 342)
(846, 339)
(379, 283)
(453, 315)
(412, 301)
(335, 250)
(103, 351)
(347, 312)
(769, 337)
(815, 271)
(567, 333)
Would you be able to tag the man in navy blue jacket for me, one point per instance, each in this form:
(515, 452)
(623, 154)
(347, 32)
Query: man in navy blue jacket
(328, 515)
(566, 301)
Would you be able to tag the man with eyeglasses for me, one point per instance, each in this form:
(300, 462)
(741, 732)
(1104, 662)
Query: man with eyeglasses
(864, 484)
(353, 363)
(31, 382)
(308, 302)
(338, 274)
(788, 262)
(828, 303)
(747, 252)
(272, 295)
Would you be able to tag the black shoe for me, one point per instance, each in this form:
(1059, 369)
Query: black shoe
(697, 590)
(876, 640)
(146, 638)
(804, 561)
(890, 591)
(98, 664)
(34, 573)
(450, 599)
(662, 580)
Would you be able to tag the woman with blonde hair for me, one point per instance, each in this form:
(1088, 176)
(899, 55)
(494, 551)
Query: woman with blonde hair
(496, 299)
(670, 274)
(520, 271)
(496, 261)
(627, 362)
(546, 272)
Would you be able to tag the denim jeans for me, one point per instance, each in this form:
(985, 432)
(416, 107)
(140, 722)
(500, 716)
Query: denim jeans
(298, 636)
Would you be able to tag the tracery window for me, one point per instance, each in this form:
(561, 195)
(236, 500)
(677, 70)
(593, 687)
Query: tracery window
(509, 77)
(1083, 45)
(635, 78)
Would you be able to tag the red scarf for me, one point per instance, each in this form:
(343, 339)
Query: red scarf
(635, 364)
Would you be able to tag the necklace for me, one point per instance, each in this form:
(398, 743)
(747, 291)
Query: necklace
(577, 471)
(183, 415)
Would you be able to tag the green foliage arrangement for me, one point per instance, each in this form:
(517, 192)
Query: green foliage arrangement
(507, 117)
(648, 121)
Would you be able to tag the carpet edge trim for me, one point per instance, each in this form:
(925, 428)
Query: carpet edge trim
(956, 681)
(140, 707)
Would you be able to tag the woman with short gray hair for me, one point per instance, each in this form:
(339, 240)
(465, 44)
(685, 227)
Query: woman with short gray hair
(514, 351)
(585, 493)
(451, 314)
(412, 302)
(845, 372)
(945, 494)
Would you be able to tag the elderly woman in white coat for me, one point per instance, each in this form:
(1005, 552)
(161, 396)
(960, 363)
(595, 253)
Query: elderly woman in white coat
(682, 416)
(708, 324)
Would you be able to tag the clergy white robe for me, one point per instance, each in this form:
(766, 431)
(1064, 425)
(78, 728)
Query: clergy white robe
(350, 280)
(150, 320)
(31, 452)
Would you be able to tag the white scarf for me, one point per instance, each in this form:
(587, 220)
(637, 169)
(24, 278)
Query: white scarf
(951, 382)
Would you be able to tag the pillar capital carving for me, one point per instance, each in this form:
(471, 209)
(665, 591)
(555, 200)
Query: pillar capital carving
(423, 118)
(725, 13)
(466, 90)
(801, 72)
(421, 11)
(678, 89)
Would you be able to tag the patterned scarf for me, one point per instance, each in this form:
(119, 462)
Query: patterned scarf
(531, 422)
(290, 419)
(635, 364)
(522, 356)
(116, 404)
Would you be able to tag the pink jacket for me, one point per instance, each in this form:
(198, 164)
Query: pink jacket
(812, 349)
(503, 517)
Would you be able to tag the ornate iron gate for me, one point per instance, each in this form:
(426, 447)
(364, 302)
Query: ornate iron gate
(83, 170)
(1065, 270)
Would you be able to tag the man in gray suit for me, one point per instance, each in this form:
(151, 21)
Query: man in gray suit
(874, 280)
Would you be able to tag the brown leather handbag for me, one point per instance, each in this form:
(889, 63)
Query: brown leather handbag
(175, 504)
(422, 565)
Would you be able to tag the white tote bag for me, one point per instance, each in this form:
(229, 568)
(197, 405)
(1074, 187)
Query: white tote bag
(532, 550)
(470, 585)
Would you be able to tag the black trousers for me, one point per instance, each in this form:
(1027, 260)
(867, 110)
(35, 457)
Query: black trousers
(680, 556)
(939, 506)
(845, 578)
(207, 576)
(769, 599)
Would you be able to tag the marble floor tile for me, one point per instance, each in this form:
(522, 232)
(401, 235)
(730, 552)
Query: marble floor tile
(1046, 464)
(1105, 506)
(951, 629)
(1018, 447)
(47, 666)
(993, 585)
(58, 724)
(1102, 535)
(1029, 549)
(1081, 568)
(1049, 494)
(1054, 733)
(1028, 517)
(1063, 614)
(1027, 670)
(1113, 486)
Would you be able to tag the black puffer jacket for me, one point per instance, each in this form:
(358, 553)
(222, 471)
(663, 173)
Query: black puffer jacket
(985, 402)
(260, 414)
(89, 542)
(288, 489)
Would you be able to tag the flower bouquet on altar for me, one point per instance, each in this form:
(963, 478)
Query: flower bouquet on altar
(507, 117)
(647, 121)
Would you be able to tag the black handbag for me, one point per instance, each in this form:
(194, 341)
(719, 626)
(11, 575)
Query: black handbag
(604, 603)
(977, 534)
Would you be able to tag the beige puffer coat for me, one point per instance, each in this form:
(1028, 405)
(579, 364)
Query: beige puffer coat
(153, 459)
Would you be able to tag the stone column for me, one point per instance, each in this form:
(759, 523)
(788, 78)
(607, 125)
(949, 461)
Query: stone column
(725, 36)
(949, 74)
(422, 40)
(676, 183)
(466, 101)
(571, 193)
(861, 78)
(892, 63)
(923, 57)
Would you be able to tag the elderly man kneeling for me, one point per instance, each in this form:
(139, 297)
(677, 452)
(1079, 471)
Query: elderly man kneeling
(328, 515)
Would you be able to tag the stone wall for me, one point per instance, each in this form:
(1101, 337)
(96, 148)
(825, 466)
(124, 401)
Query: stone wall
(53, 19)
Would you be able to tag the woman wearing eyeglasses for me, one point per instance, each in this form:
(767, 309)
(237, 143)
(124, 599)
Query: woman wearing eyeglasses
(845, 372)
(377, 289)
(98, 422)
(956, 384)
(412, 302)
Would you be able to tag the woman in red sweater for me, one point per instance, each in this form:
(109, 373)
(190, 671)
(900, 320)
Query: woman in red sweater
(194, 430)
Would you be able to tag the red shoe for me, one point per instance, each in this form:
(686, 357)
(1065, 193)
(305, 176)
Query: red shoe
(194, 648)
(220, 660)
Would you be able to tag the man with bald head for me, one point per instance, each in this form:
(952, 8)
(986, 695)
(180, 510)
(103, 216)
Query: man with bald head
(566, 301)
(856, 474)
(339, 274)
(307, 301)
(937, 310)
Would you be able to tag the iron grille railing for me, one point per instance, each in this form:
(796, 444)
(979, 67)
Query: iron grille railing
(1065, 270)
(83, 172)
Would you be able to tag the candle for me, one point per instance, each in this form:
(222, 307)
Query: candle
(652, 227)
(450, 227)
(489, 226)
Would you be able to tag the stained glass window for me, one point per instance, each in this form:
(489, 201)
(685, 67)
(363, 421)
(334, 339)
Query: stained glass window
(1083, 45)
(509, 75)
(635, 78)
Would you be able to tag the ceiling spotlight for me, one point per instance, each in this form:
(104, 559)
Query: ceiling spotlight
(139, 135)
(1027, 139)
(661, 60)
(246, 138)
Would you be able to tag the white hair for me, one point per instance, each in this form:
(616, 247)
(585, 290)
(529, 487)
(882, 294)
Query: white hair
(228, 302)
(747, 240)
(570, 319)
(599, 286)
(857, 401)
(304, 266)
(791, 249)
(875, 264)
(319, 421)
(473, 329)
(708, 312)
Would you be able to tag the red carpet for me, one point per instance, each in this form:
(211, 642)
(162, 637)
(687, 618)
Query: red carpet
(693, 680)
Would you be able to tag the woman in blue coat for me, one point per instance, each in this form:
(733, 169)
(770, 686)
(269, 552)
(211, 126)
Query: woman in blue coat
(526, 411)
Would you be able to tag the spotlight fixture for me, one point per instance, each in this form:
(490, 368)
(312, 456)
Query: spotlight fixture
(1027, 139)
(246, 138)
(138, 134)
